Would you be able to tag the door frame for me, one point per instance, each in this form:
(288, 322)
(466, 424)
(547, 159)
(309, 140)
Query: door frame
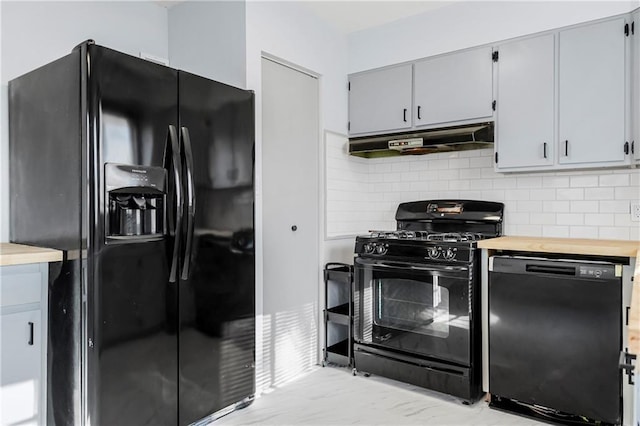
(259, 213)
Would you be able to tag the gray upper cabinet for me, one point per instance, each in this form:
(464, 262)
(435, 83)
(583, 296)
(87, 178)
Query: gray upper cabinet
(635, 85)
(591, 94)
(525, 103)
(453, 87)
(380, 100)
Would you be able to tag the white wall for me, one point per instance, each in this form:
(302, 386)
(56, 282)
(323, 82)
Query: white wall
(208, 38)
(35, 33)
(467, 24)
(592, 204)
(287, 31)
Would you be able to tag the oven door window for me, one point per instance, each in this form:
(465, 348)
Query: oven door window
(412, 305)
(425, 310)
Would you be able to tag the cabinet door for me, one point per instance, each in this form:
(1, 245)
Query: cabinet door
(20, 375)
(635, 85)
(454, 87)
(380, 101)
(525, 100)
(592, 93)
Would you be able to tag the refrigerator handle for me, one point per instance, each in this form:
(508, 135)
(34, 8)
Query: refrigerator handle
(177, 175)
(191, 201)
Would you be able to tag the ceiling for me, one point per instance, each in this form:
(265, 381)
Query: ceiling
(354, 15)
(349, 16)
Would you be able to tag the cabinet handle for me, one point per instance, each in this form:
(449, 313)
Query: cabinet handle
(30, 333)
(566, 148)
(419, 118)
(544, 150)
(404, 115)
(626, 148)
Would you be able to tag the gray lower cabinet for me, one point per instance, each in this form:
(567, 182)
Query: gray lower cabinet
(23, 331)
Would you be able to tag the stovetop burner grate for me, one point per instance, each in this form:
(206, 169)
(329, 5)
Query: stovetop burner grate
(429, 236)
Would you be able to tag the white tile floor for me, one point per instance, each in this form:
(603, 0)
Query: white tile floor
(333, 396)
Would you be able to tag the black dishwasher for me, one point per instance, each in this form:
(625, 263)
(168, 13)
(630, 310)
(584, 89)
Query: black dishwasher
(555, 337)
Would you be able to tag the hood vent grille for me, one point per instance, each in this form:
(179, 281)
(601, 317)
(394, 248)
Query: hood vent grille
(444, 139)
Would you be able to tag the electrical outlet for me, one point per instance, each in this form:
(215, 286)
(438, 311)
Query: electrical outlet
(635, 212)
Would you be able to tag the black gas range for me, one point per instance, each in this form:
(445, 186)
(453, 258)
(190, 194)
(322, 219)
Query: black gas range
(417, 295)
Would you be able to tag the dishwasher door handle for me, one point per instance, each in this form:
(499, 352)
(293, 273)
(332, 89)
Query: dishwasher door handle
(551, 269)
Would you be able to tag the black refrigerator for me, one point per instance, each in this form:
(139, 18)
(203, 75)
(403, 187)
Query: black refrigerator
(143, 175)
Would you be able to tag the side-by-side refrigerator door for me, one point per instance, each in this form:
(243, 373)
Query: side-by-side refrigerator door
(135, 203)
(217, 300)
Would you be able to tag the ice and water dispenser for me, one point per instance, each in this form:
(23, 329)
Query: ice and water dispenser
(135, 202)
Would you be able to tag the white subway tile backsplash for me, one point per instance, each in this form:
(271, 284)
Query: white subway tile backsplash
(459, 163)
(364, 194)
(555, 231)
(543, 218)
(584, 207)
(570, 219)
(627, 193)
(529, 182)
(492, 195)
(615, 180)
(613, 233)
(623, 219)
(583, 181)
(504, 182)
(614, 206)
(598, 219)
(570, 194)
(470, 173)
(556, 206)
(529, 206)
(599, 194)
(516, 194)
(583, 231)
(481, 162)
(555, 181)
(529, 230)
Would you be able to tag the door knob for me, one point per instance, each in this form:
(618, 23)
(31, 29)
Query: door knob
(294, 228)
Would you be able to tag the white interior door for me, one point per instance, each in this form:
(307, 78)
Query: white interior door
(290, 133)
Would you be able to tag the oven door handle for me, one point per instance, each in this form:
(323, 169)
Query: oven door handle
(403, 265)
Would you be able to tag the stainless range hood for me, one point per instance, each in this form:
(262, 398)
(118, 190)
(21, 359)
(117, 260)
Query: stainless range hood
(443, 139)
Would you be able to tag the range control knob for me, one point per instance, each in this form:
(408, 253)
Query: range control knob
(449, 253)
(433, 252)
(381, 249)
(368, 248)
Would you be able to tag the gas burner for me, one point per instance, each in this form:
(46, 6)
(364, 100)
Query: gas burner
(455, 237)
(399, 235)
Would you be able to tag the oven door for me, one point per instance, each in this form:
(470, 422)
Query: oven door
(414, 308)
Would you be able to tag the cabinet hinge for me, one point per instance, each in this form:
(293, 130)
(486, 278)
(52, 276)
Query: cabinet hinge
(493, 105)
(626, 30)
(495, 56)
(496, 158)
(626, 148)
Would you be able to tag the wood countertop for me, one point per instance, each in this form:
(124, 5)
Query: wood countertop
(18, 254)
(564, 245)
